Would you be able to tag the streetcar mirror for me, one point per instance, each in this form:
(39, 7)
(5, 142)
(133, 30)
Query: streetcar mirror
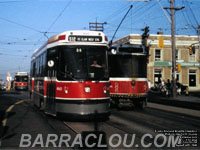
(50, 63)
(114, 51)
(91, 75)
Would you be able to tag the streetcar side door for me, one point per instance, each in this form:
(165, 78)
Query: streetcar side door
(50, 106)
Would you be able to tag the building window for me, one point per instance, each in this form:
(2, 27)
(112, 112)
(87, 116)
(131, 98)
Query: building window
(192, 78)
(177, 76)
(157, 76)
(177, 52)
(157, 55)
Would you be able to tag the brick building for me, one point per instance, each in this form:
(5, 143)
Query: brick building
(159, 66)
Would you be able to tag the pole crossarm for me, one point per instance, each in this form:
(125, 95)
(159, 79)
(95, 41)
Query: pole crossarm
(174, 8)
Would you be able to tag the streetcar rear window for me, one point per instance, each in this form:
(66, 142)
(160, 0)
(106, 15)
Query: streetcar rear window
(127, 66)
(131, 50)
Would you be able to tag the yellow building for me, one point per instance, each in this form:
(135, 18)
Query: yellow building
(159, 66)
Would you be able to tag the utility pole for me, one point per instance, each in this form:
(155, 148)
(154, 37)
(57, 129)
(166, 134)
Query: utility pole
(96, 26)
(199, 37)
(172, 10)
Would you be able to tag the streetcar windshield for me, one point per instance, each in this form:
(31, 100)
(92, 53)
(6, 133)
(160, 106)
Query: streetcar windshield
(21, 78)
(82, 63)
(128, 66)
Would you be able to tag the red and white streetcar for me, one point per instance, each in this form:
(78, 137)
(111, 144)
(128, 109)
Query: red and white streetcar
(69, 74)
(128, 72)
(21, 81)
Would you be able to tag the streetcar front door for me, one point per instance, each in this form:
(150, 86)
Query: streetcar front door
(50, 105)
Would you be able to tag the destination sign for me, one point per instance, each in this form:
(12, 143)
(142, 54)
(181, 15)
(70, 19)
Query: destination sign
(74, 38)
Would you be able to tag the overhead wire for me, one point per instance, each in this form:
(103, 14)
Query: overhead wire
(192, 13)
(55, 20)
(118, 12)
(59, 15)
(25, 26)
(188, 17)
(10, 1)
(133, 11)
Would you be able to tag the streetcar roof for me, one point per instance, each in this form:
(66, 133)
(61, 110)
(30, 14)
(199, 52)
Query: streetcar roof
(63, 38)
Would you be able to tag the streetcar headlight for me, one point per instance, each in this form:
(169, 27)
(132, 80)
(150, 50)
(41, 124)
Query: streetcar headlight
(87, 89)
(66, 91)
(104, 91)
(133, 82)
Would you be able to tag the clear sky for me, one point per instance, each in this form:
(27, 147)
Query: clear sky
(26, 24)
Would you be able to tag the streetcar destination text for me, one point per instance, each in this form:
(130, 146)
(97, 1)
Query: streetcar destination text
(73, 38)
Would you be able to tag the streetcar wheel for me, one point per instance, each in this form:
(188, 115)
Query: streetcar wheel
(30, 95)
(114, 103)
(41, 105)
(140, 104)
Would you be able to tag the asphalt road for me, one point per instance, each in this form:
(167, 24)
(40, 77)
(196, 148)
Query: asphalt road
(19, 116)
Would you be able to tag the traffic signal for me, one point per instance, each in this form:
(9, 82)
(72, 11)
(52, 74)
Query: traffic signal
(179, 67)
(145, 35)
(190, 50)
(161, 42)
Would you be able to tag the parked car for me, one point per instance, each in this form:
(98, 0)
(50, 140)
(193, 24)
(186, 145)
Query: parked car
(2, 87)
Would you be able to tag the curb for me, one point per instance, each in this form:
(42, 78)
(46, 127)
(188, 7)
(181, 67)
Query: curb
(177, 103)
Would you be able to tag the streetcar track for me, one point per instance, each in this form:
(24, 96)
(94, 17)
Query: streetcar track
(179, 117)
(76, 132)
(154, 122)
(115, 129)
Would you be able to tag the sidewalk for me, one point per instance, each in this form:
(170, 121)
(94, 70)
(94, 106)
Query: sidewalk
(191, 101)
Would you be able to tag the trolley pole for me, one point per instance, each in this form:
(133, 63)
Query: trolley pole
(172, 10)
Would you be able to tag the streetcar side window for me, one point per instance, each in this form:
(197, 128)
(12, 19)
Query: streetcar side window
(52, 62)
(31, 70)
(41, 62)
(37, 67)
(44, 64)
(34, 69)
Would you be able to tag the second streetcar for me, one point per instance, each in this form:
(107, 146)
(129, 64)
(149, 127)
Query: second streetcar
(21, 81)
(128, 74)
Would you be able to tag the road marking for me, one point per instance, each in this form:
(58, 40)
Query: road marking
(19, 102)
(4, 122)
(10, 108)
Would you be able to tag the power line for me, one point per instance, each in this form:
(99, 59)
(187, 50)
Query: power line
(119, 11)
(59, 15)
(11, 1)
(54, 21)
(188, 17)
(192, 14)
(27, 27)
